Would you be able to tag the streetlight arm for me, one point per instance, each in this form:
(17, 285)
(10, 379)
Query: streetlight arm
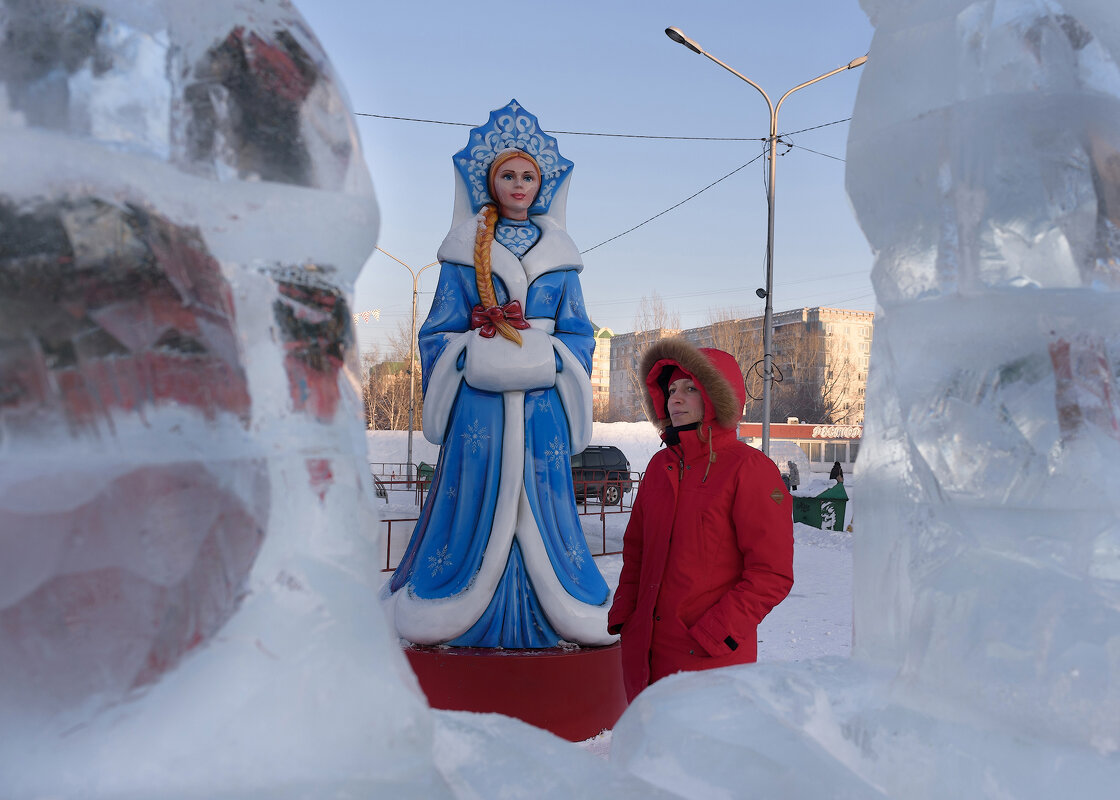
(741, 76)
(414, 273)
(678, 36)
(411, 350)
(857, 62)
(406, 266)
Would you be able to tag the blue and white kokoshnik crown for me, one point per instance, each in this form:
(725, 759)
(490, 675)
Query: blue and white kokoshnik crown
(511, 127)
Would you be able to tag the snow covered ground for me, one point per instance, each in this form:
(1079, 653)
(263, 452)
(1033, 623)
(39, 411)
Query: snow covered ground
(814, 621)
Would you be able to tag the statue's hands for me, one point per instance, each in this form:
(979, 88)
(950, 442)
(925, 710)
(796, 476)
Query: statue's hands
(499, 365)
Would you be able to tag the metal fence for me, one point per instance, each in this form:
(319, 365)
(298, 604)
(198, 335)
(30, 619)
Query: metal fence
(590, 507)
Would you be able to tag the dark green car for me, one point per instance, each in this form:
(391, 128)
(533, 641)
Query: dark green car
(601, 471)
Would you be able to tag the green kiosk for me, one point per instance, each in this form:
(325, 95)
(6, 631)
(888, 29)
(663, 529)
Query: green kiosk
(825, 511)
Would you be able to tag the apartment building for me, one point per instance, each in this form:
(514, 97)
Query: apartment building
(624, 381)
(820, 358)
(601, 368)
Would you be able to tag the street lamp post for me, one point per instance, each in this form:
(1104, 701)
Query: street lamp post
(411, 352)
(768, 318)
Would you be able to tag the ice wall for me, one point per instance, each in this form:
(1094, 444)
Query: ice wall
(983, 166)
(186, 556)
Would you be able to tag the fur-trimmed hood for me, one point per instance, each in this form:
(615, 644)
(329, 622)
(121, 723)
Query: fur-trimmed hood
(714, 371)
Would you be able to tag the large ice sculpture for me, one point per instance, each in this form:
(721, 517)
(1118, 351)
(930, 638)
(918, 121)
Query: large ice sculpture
(183, 210)
(187, 573)
(990, 198)
(983, 165)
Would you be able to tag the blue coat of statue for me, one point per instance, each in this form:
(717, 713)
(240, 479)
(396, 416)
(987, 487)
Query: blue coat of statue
(498, 557)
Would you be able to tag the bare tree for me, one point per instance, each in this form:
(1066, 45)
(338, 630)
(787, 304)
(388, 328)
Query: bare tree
(818, 379)
(601, 409)
(652, 321)
(742, 338)
(386, 384)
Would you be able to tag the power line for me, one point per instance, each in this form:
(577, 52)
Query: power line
(815, 127)
(735, 289)
(675, 205)
(826, 155)
(611, 135)
(789, 145)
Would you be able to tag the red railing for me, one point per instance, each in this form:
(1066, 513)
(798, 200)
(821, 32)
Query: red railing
(628, 490)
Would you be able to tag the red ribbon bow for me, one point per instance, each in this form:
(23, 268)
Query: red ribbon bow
(487, 318)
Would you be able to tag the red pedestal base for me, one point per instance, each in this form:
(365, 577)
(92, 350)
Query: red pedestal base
(573, 693)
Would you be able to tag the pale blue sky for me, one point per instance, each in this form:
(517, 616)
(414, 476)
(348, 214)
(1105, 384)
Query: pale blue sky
(607, 67)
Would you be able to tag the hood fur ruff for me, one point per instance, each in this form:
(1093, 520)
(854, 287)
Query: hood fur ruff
(714, 371)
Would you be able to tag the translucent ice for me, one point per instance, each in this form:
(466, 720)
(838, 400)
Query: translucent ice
(186, 598)
(996, 134)
(989, 195)
(982, 164)
(187, 572)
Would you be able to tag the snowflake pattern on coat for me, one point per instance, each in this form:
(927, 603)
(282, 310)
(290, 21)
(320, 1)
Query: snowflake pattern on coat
(556, 453)
(475, 436)
(440, 560)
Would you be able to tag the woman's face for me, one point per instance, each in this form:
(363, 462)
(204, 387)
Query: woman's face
(686, 404)
(515, 185)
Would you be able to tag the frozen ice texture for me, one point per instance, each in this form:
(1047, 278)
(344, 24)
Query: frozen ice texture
(995, 137)
(186, 568)
(185, 598)
(188, 563)
(984, 167)
(989, 195)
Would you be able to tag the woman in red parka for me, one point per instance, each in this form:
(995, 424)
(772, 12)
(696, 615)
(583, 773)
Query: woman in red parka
(709, 548)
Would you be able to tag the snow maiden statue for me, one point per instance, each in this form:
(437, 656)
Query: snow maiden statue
(498, 557)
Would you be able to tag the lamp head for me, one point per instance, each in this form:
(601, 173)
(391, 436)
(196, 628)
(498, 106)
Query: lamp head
(761, 293)
(677, 35)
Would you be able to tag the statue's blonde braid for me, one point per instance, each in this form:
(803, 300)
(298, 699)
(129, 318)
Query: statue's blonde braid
(483, 239)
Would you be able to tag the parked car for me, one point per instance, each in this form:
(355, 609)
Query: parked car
(601, 470)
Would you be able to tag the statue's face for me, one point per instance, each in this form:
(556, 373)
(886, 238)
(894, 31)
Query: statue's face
(515, 184)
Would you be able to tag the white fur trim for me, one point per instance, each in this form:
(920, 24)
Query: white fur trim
(443, 385)
(505, 265)
(433, 621)
(458, 244)
(575, 393)
(462, 209)
(555, 250)
(575, 621)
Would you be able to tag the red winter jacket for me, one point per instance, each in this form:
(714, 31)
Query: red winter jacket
(709, 547)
